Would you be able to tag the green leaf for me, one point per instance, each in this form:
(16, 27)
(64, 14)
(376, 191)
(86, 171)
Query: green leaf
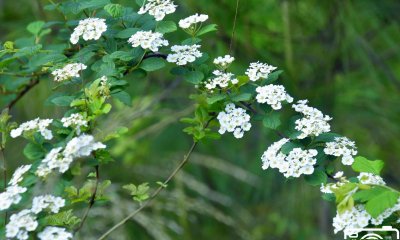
(368, 194)
(216, 98)
(35, 27)
(194, 77)
(63, 101)
(33, 151)
(122, 55)
(316, 178)
(115, 10)
(272, 120)
(326, 137)
(66, 218)
(207, 29)
(92, 4)
(381, 202)
(272, 77)
(127, 33)
(166, 27)
(241, 97)
(361, 164)
(152, 64)
(140, 2)
(289, 146)
(123, 97)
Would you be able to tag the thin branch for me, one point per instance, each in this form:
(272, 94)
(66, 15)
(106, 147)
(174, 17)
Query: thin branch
(155, 194)
(27, 88)
(91, 202)
(234, 26)
(155, 55)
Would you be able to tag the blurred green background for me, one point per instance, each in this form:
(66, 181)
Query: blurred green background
(344, 56)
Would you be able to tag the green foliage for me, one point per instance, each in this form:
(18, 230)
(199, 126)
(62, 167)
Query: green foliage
(64, 218)
(361, 164)
(139, 193)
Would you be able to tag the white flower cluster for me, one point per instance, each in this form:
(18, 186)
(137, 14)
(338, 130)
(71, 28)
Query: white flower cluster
(148, 40)
(39, 125)
(330, 187)
(49, 202)
(342, 146)
(76, 120)
(158, 8)
(12, 195)
(259, 70)
(224, 62)
(351, 220)
(21, 224)
(314, 121)
(234, 120)
(295, 164)
(69, 71)
(221, 80)
(273, 95)
(54, 233)
(387, 213)
(184, 54)
(77, 147)
(369, 178)
(89, 29)
(191, 22)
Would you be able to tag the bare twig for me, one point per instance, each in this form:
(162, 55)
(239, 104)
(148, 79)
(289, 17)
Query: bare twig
(27, 88)
(234, 26)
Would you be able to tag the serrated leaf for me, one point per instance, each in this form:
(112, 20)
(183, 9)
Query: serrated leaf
(368, 194)
(33, 151)
(115, 10)
(272, 77)
(241, 97)
(194, 77)
(361, 164)
(166, 27)
(152, 64)
(127, 33)
(215, 98)
(272, 120)
(123, 97)
(35, 27)
(381, 202)
(63, 101)
(207, 29)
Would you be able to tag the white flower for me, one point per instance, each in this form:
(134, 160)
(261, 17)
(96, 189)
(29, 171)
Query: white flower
(89, 29)
(47, 202)
(369, 178)
(273, 95)
(224, 62)
(19, 172)
(342, 146)
(295, 164)
(76, 120)
(313, 123)
(69, 71)
(20, 224)
(221, 80)
(338, 175)
(57, 158)
(259, 70)
(55, 233)
(184, 54)
(11, 196)
(148, 40)
(39, 125)
(234, 120)
(158, 8)
(191, 22)
(351, 220)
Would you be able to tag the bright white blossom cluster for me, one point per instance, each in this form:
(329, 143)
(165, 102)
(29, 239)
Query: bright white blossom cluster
(21, 224)
(60, 159)
(38, 125)
(49, 202)
(295, 164)
(234, 120)
(148, 40)
(369, 178)
(76, 120)
(259, 70)
(313, 123)
(13, 192)
(54, 233)
(351, 220)
(69, 71)
(192, 21)
(184, 54)
(89, 29)
(342, 146)
(273, 95)
(158, 8)
(221, 80)
(224, 62)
